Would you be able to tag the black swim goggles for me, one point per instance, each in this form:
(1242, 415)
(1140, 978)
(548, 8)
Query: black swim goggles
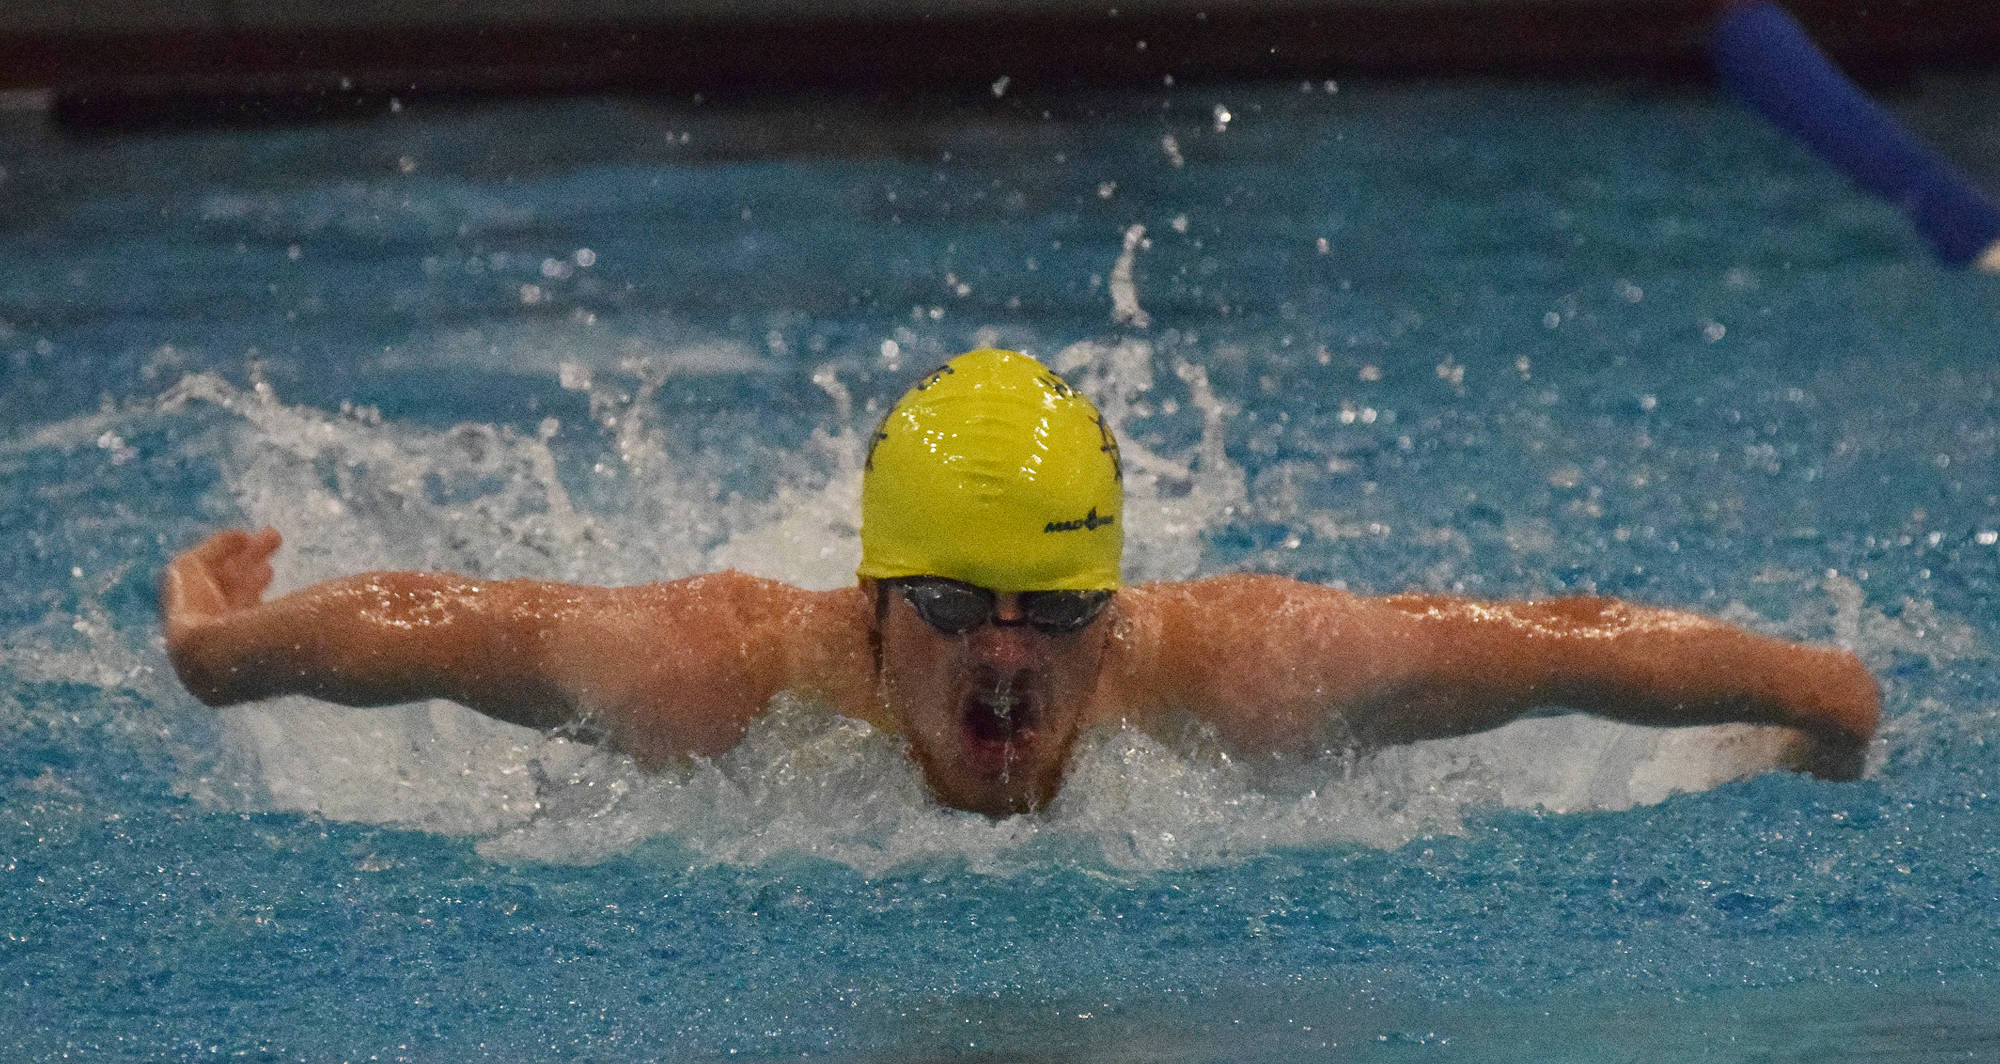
(954, 607)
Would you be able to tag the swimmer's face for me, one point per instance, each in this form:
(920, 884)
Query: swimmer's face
(990, 713)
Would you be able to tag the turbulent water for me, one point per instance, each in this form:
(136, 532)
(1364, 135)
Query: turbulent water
(1493, 341)
(356, 493)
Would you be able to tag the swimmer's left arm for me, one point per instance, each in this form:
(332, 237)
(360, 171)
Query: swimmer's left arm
(1485, 663)
(1276, 663)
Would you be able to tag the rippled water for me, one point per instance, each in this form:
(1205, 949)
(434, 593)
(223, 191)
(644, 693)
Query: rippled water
(1495, 340)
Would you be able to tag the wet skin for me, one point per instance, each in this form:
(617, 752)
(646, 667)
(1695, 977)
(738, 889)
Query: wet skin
(990, 714)
(666, 671)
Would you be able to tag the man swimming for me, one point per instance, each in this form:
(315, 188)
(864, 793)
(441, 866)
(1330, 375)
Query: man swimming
(990, 629)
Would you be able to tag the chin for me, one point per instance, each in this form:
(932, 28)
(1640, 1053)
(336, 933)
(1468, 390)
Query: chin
(1007, 751)
(1023, 792)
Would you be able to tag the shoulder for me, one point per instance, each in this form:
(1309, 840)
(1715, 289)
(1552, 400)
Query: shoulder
(1236, 603)
(1192, 638)
(1271, 663)
(684, 665)
(815, 643)
(724, 597)
(747, 614)
(711, 612)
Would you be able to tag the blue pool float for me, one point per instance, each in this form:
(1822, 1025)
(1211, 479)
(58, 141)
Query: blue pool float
(1766, 60)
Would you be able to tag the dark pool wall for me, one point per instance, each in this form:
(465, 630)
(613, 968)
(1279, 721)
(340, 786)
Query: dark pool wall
(113, 61)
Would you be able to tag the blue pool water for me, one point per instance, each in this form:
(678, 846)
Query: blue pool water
(1498, 340)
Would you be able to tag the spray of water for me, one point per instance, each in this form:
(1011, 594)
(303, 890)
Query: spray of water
(355, 492)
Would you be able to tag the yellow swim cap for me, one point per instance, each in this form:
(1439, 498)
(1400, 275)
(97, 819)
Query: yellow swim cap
(994, 471)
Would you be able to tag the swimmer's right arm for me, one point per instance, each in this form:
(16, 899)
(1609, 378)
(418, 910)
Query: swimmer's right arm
(664, 670)
(368, 640)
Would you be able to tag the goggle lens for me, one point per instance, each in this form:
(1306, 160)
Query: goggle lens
(954, 607)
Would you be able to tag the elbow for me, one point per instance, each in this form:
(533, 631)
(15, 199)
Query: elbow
(1841, 721)
(1838, 715)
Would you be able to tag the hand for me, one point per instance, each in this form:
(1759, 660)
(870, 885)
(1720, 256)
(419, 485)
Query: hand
(1829, 754)
(225, 573)
(1839, 708)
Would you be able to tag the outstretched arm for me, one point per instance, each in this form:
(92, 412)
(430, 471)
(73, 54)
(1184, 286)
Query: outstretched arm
(368, 640)
(664, 669)
(1638, 664)
(1275, 663)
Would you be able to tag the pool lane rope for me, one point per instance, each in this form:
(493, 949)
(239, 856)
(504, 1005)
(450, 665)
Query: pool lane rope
(1766, 60)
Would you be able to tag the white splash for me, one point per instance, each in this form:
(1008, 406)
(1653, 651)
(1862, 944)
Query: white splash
(626, 499)
(1125, 308)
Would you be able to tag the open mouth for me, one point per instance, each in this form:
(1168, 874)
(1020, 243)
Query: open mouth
(996, 716)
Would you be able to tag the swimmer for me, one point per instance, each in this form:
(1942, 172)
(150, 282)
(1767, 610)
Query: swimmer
(1766, 60)
(990, 629)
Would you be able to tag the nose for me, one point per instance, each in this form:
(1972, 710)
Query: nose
(1007, 608)
(1006, 647)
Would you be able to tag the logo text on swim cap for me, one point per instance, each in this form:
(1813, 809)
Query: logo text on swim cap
(1089, 522)
(1109, 446)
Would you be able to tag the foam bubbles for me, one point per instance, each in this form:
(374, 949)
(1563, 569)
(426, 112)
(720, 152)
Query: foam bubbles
(626, 497)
